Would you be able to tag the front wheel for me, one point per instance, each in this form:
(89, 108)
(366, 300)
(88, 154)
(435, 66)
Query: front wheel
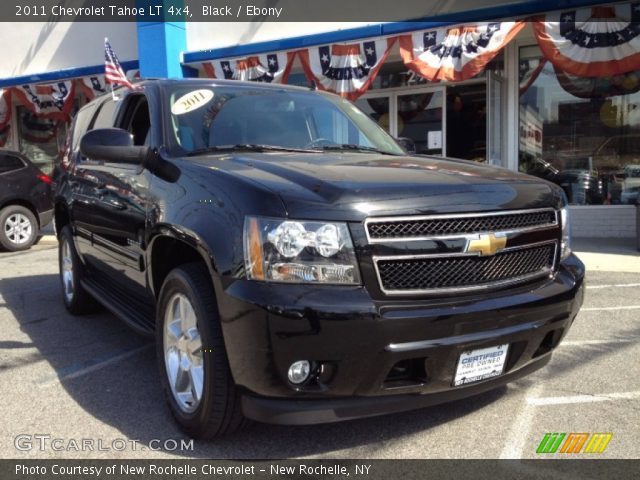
(194, 369)
(76, 299)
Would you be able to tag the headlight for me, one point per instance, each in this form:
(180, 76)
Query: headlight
(565, 244)
(299, 252)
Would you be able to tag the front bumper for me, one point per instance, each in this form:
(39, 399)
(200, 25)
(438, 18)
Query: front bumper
(358, 343)
(310, 412)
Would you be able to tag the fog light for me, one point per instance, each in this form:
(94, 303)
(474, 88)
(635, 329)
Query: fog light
(299, 371)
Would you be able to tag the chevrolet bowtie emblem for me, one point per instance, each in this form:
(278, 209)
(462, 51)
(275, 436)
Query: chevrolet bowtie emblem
(487, 244)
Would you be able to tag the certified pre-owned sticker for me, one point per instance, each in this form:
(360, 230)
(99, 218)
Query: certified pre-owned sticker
(476, 365)
(191, 101)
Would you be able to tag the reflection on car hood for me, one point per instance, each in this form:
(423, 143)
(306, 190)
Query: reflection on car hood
(352, 186)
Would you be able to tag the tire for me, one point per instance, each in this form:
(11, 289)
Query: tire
(76, 299)
(214, 409)
(18, 228)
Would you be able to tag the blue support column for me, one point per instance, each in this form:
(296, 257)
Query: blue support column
(160, 44)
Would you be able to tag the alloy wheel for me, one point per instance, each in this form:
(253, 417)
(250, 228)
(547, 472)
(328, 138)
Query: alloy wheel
(183, 353)
(18, 228)
(67, 271)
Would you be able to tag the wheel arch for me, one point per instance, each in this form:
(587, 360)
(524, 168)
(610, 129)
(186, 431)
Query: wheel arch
(61, 217)
(169, 249)
(22, 203)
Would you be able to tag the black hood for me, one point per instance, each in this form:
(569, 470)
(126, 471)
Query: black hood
(353, 186)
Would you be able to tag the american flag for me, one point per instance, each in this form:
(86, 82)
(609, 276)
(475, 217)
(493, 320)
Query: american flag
(113, 72)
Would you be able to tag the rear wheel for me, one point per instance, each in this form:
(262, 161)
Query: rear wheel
(194, 369)
(77, 300)
(19, 228)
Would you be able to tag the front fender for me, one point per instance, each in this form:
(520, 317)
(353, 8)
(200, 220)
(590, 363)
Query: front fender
(188, 237)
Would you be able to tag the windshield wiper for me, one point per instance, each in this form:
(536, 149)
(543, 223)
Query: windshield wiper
(354, 147)
(246, 147)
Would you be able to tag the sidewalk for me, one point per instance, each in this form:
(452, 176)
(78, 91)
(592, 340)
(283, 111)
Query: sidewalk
(48, 236)
(608, 254)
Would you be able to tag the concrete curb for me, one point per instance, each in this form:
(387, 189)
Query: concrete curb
(608, 254)
(48, 240)
(610, 262)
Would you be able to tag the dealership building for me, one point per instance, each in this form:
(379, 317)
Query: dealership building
(522, 85)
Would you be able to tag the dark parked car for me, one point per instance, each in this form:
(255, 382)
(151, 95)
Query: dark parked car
(26, 201)
(295, 265)
(630, 196)
(581, 186)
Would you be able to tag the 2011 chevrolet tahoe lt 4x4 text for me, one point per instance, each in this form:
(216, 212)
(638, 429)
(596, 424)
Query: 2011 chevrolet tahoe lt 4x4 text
(295, 264)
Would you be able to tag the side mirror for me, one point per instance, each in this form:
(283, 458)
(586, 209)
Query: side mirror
(113, 145)
(407, 143)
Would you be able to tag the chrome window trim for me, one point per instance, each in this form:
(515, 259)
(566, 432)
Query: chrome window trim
(464, 236)
(545, 272)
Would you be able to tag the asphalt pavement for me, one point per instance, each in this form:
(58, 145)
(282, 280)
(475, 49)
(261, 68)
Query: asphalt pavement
(86, 387)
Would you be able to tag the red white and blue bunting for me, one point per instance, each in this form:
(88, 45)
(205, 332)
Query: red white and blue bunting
(592, 42)
(96, 85)
(51, 100)
(36, 129)
(93, 86)
(270, 68)
(346, 69)
(455, 54)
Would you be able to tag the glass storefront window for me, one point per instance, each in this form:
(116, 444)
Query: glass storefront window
(40, 139)
(377, 108)
(420, 119)
(581, 133)
(449, 120)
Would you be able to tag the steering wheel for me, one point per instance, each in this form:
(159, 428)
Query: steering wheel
(319, 142)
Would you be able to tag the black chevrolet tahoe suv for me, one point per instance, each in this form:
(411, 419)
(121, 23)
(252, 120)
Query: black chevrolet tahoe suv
(295, 265)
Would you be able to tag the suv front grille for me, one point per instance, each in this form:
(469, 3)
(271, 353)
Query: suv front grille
(437, 226)
(464, 272)
(478, 256)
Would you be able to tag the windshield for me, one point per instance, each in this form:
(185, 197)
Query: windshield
(206, 118)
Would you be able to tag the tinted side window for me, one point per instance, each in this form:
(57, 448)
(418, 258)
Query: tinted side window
(136, 119)
(9, 163)
(106, 115)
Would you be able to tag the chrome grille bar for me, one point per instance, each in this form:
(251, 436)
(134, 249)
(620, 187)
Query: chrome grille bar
(465, 271)
(443, 227)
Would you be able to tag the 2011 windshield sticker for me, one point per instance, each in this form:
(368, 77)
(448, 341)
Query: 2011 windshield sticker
(191, 101)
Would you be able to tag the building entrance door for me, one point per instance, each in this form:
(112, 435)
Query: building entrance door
(417, 113)
(421, 117)
(467, 121)
(464, 120)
